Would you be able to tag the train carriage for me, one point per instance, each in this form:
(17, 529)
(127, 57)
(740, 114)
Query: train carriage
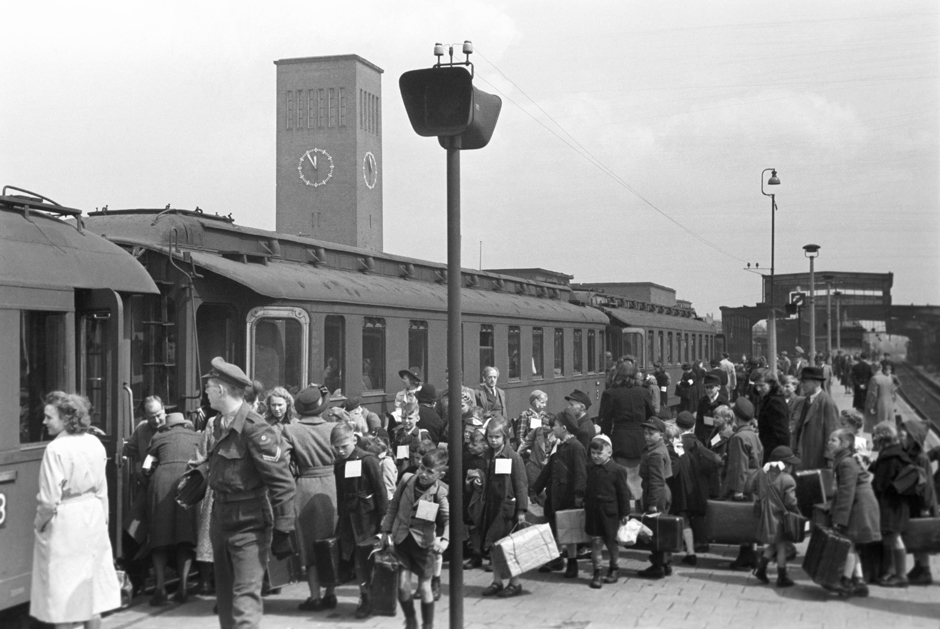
(64, 294)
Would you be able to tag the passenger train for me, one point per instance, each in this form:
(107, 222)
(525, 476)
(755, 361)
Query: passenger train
(119, 305)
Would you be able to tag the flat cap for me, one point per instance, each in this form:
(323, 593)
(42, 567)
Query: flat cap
(655, 423)
(785, 454)
(743, 409)
(579, 396)
(566, 417)
(711, 380)
(812, 373)
(228, 373)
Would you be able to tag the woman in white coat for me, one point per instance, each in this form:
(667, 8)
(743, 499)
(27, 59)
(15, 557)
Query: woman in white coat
(73, 571)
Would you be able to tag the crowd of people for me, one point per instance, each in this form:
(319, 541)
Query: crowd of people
(282, 473)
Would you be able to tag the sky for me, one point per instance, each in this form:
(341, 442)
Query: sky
(630, 146)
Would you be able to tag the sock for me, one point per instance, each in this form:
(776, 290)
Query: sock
(689, 542)
(408, 607)
(427, 614)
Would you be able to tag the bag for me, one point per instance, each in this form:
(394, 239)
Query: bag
(825, 556)
(570, 526)
(794, 527)
(127, 588)
(288, 570)
(911, 480)
(628, 533)
(731, 522)
(523, 550)
(330, 569)
(384, 590)
(666, 533)
(922, 535)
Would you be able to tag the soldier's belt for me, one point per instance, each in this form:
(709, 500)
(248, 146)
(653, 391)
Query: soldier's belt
(239, 496)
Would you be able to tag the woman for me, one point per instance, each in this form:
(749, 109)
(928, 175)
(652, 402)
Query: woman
(73, 575)
(773, 414)
(624, 408)
(307, 442)
(279, 407)
(172, 528)
(411, 378)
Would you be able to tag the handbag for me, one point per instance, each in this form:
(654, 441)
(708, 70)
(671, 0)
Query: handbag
(792, 523)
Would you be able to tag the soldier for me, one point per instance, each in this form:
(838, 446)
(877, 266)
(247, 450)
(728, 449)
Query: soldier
(254, 493)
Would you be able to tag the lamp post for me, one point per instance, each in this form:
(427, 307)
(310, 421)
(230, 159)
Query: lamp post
(838, 294)
(811, 252)
(828, 277)
(772, 320)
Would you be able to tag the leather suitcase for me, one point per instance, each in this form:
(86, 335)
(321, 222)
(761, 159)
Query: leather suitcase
(732, 522)
(872, 558)
(822, 515)
(384, 591)
(922, 535)
(288, 570)
(326, 558)
(667, 533)
(809, 490)
(825, 556)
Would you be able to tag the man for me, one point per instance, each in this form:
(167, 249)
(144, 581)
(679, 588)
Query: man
(879, 402)
(818, 419)
(799, 363)
(784, 364)
(253, 488)
(489, 397)
(578, 404)
(861, 375)
(662, 381)
(428, 419)
(135, 447)
(707, 405)
(728, 367)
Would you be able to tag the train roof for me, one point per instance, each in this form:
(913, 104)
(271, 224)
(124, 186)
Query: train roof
(281, 266)
(40, 250)
(634, 313)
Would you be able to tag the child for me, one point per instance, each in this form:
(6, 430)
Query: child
(408, 434)
(655, 468)
(535, 416)
(535, 450)
(854, 511)
(745, 454)
(694, 481)
(852, 420)
(564, 478)
(361, 503)
(505, 498)
(924, 504)
(379, 447)
(606, 506)
(776, 495)
(895, 508)
(417, 523)
(474, 465)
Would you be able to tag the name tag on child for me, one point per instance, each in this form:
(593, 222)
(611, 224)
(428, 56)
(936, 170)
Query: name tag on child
(504, 466)
(715, 440)
(353, 469)
(535, 422)
(709, 421)
(148, 462)
(663, 389)
(427, 510)
(402, 452)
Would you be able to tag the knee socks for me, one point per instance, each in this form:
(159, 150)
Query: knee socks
(408, 606)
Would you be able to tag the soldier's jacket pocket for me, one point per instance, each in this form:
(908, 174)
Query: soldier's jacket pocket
(232, 449)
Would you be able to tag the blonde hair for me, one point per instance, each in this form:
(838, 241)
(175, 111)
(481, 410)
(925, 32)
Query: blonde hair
(74, 410)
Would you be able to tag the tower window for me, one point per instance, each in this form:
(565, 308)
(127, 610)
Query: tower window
(331, 106)
(290, 109)
(342, 106)
(321, 114)
(311, 109)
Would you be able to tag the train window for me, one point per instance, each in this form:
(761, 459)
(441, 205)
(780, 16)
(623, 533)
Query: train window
(418, 347)
(578, 358)
(277, 345)
(650, 346)
(42, 368)
(670, 358)
(661, 354)
(94, 368)
(153, 348)
(515, 352)
(686, 347)
(334, 352)
(592, 352)
(602, 352)
(559, 351)
(215, 330)
(487, 354)
(373, 354)
(538, 356)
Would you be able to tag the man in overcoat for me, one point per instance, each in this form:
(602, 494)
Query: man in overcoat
(818, 419)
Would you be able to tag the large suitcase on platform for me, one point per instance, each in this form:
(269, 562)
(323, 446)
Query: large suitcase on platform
(523, 550)
(732, 522)
(288, 570)
(569, 526)
(809, 489)
(667, 533)
(922, 535)
(331, 569)
(384, 591)
(825, 556)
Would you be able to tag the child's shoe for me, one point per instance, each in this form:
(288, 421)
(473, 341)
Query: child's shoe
(555, 564)
(783, 581)
(571, 572)
(613, 574)
(761, 571)
(690, 560)
(859, 588)
(364, 610)
(596, 581)
(653, 572)
(436, 588)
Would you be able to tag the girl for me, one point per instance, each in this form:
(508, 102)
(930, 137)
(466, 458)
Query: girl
(535, 449)
(852, 420)
(278, 407)
(855, 511)
(505, 498)
(776, 495)
(924, 504)
(895, 508)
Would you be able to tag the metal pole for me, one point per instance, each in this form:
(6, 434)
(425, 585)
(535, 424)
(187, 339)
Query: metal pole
(772, 322)
(455, 382)
(812, 313)
(838, 322)
(829, 318)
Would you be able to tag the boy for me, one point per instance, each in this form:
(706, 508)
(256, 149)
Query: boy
(655, 469)
(695, 480)
(536, 447)
(417, 524)
(530, 419)
(361, 503)
(606, 506)
(564, 478)
(745, 454)
(407, 434)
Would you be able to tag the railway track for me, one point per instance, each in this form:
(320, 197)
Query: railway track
(922, 393)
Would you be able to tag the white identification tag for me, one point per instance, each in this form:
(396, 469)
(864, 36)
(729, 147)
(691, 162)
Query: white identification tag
(535, 422)
(663, 389)
(402, 452)
(148, 462)
(715, 440)
(354, 469)
(504, 466)
(709, 421)
(427, 510)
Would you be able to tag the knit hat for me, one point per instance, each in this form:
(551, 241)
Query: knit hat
(743, 409)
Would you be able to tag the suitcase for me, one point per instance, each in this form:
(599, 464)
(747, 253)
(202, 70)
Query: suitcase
(825, 556)
(384, 591)
(809, 490)
(523, 550)
(330, 569)
(822, 515)
(731, 522)
(667, 533)
(922, 535)
(570, 527)
(288, 570)
(829, 483)
(872, 557)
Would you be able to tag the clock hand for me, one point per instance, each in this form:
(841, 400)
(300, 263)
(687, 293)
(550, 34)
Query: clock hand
(312, 160)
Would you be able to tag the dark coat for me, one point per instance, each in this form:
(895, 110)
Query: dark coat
(895, 509)
(607, 499)
(170, 524)
(505, 496)
(622, 413)
(707, 407)
(361, 502)
(430, 421)
(861, 375)
(695, 478)
(586, 432)
(563, 478)
(655, 468)
(854, 504)
(745, 454)
(773, 422)
(818, 419)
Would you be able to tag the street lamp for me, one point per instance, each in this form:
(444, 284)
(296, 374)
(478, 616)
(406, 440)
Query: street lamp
(838, 294)
(828, 277)
(811, 252)
(772, 321)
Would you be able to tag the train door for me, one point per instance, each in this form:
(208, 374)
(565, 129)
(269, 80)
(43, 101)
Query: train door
(277, 348)
(102, 364)
(633, 344)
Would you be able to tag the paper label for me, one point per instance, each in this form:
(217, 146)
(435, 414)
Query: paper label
(427, 510)
(663, 389)
(402, 452)
(709, 421)
(535, 422)
(715, 440)
(148, 462)
(354, 468)
(504, 466)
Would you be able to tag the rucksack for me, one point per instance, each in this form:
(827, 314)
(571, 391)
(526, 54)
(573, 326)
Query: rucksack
(911, 480)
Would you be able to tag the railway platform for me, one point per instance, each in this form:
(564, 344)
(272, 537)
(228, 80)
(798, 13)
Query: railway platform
(706, 595)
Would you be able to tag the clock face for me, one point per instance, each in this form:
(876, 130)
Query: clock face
(370, 170)
(315, 167)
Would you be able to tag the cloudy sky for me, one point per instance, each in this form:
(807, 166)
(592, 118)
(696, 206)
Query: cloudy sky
(630, 145)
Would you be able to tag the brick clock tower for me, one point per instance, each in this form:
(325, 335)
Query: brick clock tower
(329, 149)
